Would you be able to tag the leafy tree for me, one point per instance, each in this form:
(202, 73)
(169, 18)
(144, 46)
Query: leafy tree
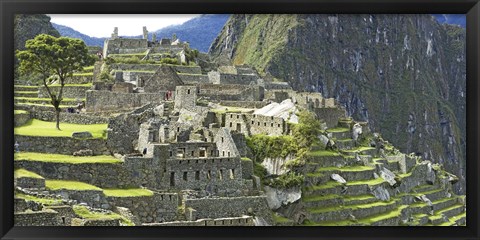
(307, 130)
(47, 55)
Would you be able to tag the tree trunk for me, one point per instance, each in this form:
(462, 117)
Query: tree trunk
(57, 115)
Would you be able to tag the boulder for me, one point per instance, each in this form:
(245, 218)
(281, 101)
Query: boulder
(381, 193)
(356, 131)
(278, 197)
(338, 178)
(388, 175)
(83, 152)
(85, 134)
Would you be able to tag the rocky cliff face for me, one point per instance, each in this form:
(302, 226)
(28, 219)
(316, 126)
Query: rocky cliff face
(404, 74)
(27, 26)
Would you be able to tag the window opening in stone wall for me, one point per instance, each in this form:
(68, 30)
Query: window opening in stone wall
(63, 220)
(180, 152)
(231, 124)
(211, 153)
(185, 176)
(223, 153)
(172, 179)
(202, 152)
(271, 125)
(253, 122)
(188, 91)
(232, 176)
(178, 129)
(193, 153)
(197, 175)
(228, 154)
(171, 154)
(258, 124)
(209, 174)
(238, 116)
(278, 125)
(222, 139)
(231, 115)
(220, 174)
(239, 127)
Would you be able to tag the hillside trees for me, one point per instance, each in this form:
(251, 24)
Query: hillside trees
(48, 55)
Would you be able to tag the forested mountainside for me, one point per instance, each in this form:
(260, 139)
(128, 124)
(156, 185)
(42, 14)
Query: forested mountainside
(404, 74)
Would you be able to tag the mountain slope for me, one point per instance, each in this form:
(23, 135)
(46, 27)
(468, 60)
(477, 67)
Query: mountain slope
(70, 32)
(394, 71)
(199, 32)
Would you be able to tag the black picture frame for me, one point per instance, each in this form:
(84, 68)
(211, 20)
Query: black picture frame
(10, 7)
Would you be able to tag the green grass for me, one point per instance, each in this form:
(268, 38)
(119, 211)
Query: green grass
(45, 201)
(19, 112)
(46, 99)
(83, 212)
(316, 198)
(323, 153)
(346, 169)
(453, 219)
(59, 158)
(139, 71)
(132, 192)
(88, 69)
(359, 149)
(330, 184)
(19, 173)
(26, 86)
(29, 92)
(350, 207)
(69, 185)
(246, 159)
(368, 182)
(358, 197)
(87, 74)
(280, 219)
(36, 127)
(338, 130)
(224, 109)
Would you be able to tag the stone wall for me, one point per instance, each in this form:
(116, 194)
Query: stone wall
(160, 207)
(69, 117)
(39, 218)
(234, 221)
(104, 175)
(68, 91)
(247, 168)
(251, 124)
(225, 78)
(108, 101)
(244, 104)
(93, 198)
(114, 46)
(65, 214)
(28, 182)
(230, 206)
(21, 119)
(185, 97)
(231, 92)
(79, 79)
(277, 86)
(330, 115)
(154, 67)
(193, 78)
(61, 145)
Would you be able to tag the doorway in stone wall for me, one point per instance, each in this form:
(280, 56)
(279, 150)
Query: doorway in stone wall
(239, 127)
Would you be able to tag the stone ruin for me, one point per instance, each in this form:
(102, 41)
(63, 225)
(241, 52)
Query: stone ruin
(180, 133)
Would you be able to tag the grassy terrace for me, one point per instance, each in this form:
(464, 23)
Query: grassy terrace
(59, 158)
(359, 149)
(31, 99)
(73, 85)
(86, 214)
(19, 173)
(224, 109)
(69, 185)
(132, 192)
(316, 198)
(45, 105)
(351, 207)
(26, 91)
(19, 112)
(84, 74)
(338, 130)
(45, 201)
(346, 169)
(40, 128)
(323, 153)
(26, 86)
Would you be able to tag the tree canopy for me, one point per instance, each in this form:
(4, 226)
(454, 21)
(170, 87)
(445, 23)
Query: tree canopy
(48, 55)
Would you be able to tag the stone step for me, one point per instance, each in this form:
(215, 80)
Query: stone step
(443, 203)
(360, 199)
(457, 220)
(339, 213)
(424, 188)
(22, 88)
(361, 151)
(419, 219)
(345, 143)
(452, 210)
(31, 94)
(351, 188)
(323, 158)
(322, 200)
(339, 133)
